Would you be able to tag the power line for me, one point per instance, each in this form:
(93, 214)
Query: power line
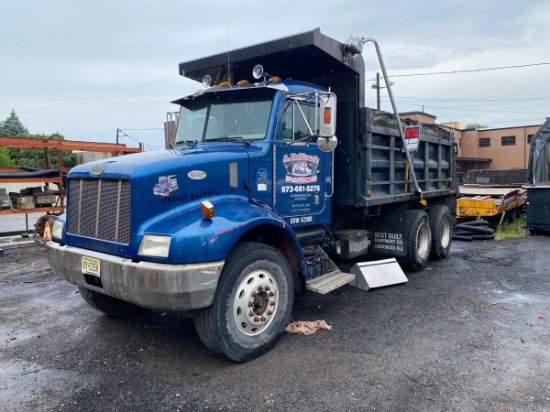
(466, 70)
(137, 141)
(471, 70)
(470, 100)
(155, 128)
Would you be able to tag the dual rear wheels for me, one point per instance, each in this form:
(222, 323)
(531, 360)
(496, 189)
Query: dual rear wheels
(428, 235)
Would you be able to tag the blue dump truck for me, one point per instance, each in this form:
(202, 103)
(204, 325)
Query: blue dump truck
(260, 196)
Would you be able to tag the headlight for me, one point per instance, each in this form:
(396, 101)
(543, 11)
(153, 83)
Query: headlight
(155, 245)
(57, 229)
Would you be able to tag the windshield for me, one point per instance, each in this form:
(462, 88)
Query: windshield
(225, 117)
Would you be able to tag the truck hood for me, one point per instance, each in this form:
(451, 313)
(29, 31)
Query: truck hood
(162, 183)
(156, 163)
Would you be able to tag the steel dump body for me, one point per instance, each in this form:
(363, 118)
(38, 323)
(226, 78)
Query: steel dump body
(374, 165)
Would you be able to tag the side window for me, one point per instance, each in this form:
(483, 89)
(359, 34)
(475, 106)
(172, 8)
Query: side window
(299, 120)
(287, 123)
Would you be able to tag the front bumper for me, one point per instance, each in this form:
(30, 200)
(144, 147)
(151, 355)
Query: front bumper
(146, 284)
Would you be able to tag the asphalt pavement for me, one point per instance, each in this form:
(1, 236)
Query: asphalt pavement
(469, 333)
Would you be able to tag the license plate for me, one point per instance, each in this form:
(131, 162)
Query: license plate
(91, 266)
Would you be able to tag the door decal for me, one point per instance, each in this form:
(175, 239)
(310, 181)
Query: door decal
(301, 168)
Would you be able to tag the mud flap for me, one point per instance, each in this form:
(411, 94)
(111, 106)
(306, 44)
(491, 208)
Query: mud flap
(377, 274)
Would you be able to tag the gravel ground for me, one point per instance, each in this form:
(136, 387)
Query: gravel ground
(470, 333)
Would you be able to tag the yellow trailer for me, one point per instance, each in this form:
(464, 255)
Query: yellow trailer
(487, 201)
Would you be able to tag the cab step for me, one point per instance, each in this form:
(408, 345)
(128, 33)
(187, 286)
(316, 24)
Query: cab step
(329, 282)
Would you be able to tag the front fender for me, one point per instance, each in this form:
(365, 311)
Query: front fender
(198, 239)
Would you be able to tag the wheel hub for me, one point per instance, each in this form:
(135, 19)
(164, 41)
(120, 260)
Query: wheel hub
(445, 233)
(423, 241)
(260, 302)
(255, 303)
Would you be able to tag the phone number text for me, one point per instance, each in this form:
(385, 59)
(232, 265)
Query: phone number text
(300, 189)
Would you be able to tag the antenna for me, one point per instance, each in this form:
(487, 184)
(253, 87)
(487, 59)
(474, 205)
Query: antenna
(227, 46)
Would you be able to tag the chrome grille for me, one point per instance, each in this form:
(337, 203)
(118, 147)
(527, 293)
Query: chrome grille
(100, 209)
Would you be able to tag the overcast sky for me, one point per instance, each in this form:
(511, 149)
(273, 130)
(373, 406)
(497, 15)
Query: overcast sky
(86, 68)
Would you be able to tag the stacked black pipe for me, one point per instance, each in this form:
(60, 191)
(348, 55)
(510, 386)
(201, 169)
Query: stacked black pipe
(474, 230)
(33, 172)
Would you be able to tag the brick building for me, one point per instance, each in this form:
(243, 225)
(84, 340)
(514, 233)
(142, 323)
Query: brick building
(491, 148)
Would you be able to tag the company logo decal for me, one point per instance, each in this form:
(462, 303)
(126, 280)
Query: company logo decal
(301, 168)
(96, 170)
(166, 185)
(196, 175)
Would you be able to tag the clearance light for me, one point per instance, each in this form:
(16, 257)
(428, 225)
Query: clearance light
(274, 78)
(241, 82)
(224, 84)
(327, 115)
(207, 209)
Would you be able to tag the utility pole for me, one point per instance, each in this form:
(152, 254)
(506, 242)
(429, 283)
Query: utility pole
(378, 91)
(378, 87)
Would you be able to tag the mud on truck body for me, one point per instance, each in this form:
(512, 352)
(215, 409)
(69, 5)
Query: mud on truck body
(259, 194)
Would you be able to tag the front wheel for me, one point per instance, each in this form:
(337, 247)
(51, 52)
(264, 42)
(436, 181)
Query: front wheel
(419, 241)
(252, 306)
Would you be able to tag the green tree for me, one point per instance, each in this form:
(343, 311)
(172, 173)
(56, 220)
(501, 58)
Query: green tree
(10, 157)
(35, 157)
(477, 126)
(12, 126)
(5, 159)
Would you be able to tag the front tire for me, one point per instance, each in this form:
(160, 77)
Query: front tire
(252, 306)
(109, 305)
(441, 230)
(419, 240)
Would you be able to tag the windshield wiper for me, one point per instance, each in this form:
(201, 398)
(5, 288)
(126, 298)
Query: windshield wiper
(228, 139)
(191, 143)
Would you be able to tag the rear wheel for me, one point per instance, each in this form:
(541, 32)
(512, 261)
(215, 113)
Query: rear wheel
(109, 305)
(419, 241)
(441, 231)
(252, 306)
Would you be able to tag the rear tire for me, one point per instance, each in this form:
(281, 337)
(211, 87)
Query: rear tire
(419, 240)
(252, 306)
(109, 305)
(441, 231)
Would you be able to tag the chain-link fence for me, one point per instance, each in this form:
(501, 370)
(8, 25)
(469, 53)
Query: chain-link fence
(19, 212)
(19, 224)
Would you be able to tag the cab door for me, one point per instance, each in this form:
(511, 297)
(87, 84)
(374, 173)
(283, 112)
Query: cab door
(303, 173)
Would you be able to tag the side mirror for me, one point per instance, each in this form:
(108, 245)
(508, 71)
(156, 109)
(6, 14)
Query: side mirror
(327, 144)
(327, 140)
(328, 115)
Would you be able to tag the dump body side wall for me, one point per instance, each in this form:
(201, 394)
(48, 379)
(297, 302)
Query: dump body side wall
(371, 169)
